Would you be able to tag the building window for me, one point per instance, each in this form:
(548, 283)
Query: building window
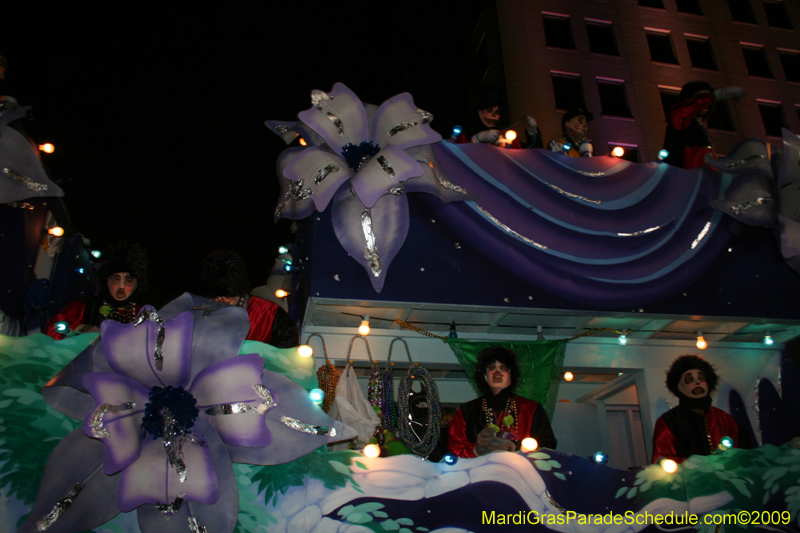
(790, 59)
(700, 52)
(720, 117)
(631, 151)
(613, 99)
(669, 97)
(741, 11)
(567, 89)
(661, 49)
(658, 4)
(756, 60)
(689, 6)
(772, 116)
(777, 17)
(601, 37)
(557, 31)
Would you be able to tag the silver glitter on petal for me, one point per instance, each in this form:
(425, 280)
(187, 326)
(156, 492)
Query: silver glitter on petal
(281, 128)
(397, 191)
(195, 527)
(642, 232)
(96, 421)
(158, 356)
(323, 173)
(59, 508)
(443, 182)
(702, 234)
(173, 443)
(371, 248)
(385, 165)
(171, 508)
(230, 409)
(337, 122)
(743, 161)
(308, 428)
(403, 126)
(427, 117)
(573, 195)
(298, 192)
(149, 315)
(282, 205)
(553, 502)
(591, 174)
(511, 231)
(26, 181)
(738, 208)
(319, 96)
(265, 395)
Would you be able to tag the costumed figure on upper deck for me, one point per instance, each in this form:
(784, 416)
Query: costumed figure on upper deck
(686, 140)
(575, 129)
(483, 123)
(694, 427)
(224, 279)
(124, 279)
(499, 419)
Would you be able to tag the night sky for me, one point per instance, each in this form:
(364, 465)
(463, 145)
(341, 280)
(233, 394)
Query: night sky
(157, 114)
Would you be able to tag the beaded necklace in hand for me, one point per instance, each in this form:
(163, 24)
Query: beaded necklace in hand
(328, 378)
(507, 422)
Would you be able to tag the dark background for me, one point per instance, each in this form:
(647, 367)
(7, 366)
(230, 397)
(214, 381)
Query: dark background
(157, 114)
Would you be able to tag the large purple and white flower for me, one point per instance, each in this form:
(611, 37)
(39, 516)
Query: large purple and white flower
(162, 430)
(364, 158)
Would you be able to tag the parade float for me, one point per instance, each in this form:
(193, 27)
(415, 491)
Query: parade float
(175, 423)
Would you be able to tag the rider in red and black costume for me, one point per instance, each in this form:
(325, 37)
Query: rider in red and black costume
(124, 279)
(694, 427)
(496, 374)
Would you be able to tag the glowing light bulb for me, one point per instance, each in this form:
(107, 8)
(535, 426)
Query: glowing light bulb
(302, 142)
(316, 395)
(669, 466)
(618, 151)
(81, 270)
(62, 327)
(768, 340)
(304, 350)
(511, 135)
(47, 148)
(663, 154)
(363, 329)
(529, 444)
(56, 231)
(701, 342)
(567, 147)
(280, 293)
(457, 131)
(283, 250)
(372, 451)
(97, 254)
(623, 340)
(569, 376)
(725, 443)
(450, 458)
(600, 457)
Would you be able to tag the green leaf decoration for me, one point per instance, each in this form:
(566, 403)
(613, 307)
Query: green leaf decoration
(361, 465)
(543, 465)
(631, 493)
(359, 518)
(621, 491)
(560, 476)
(390, 525)
(538, 455)
(339, 467)
(405, 521)
(346, 510)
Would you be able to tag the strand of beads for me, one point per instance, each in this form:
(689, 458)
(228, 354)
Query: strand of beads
(427, 443)
(389, 408)
(328, 378)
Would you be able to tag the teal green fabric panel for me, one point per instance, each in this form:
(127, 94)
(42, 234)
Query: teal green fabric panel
(540, 362)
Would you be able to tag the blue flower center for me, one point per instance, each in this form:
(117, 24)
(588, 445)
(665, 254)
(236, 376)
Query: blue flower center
(169, 406)
(358, 156)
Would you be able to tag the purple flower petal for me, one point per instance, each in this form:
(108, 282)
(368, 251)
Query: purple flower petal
(383, 174)
(76, 459)
(130, 350)
(434, 179)
(398, 123)
(121, 432)
(322, 172)
(152, 480)
(231, 382)
(371, 236)
(294, 201)
(345, 112)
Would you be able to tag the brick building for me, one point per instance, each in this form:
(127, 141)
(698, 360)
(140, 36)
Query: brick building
(625, 60)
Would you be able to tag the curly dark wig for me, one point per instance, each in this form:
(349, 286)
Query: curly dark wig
(688, 362)
(694, 87)
(224, 274)
(487, 357)
(130, 258)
